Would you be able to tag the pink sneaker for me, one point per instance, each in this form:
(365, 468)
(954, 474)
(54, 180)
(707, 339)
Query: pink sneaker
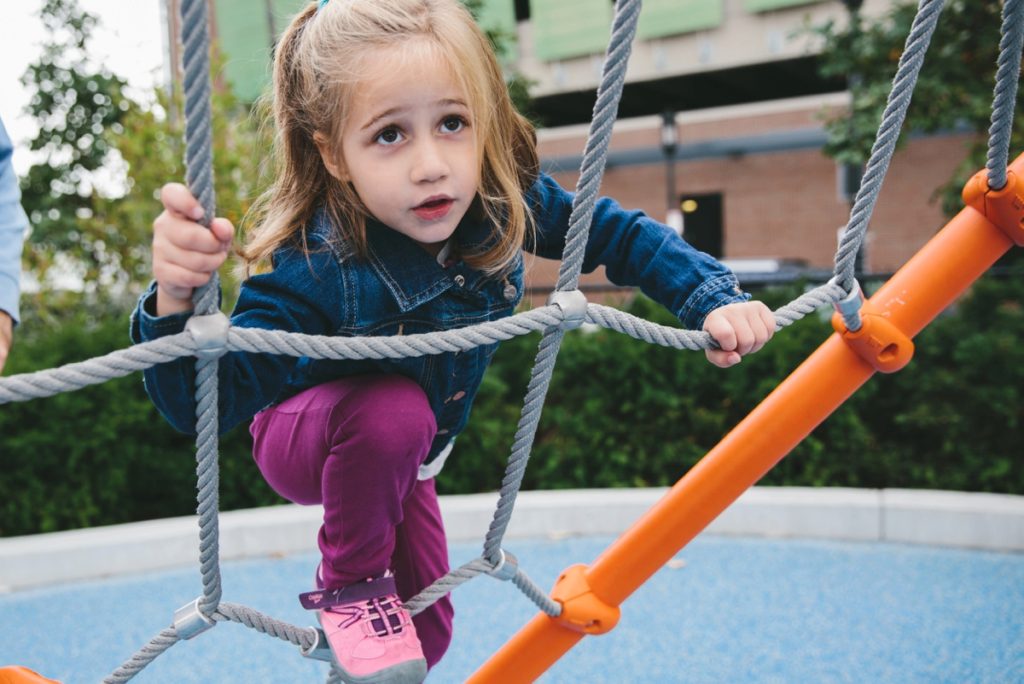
(370, 633)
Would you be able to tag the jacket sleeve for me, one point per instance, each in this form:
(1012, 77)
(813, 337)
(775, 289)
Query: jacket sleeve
(636, 251)
(294, 297)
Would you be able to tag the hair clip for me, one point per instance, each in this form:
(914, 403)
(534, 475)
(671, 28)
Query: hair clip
(320, 4)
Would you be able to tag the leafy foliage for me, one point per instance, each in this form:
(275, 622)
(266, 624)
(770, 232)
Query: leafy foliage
(619, 413)
(103, 454)
(954, 91)
(624, 413)
(77, 103)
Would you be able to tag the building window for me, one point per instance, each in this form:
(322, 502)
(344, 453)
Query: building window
(702, 222)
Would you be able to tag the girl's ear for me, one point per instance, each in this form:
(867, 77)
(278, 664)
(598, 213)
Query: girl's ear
(330, 162)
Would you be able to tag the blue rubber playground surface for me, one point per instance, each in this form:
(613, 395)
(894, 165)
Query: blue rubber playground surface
(724, 610)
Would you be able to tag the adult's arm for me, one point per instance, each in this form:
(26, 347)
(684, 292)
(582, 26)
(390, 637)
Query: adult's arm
(13, 224)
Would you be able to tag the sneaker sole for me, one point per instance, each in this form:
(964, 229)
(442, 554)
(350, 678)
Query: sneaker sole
(409, 672)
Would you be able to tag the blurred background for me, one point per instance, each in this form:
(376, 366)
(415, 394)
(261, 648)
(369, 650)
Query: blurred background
(744, 125)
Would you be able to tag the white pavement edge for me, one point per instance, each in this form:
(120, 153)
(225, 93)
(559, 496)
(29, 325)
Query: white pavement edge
(992, 522)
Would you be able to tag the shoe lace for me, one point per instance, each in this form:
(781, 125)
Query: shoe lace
(385, 615)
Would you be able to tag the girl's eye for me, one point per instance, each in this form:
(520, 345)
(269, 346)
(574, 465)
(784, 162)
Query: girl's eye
(453, 124)
(389, 136)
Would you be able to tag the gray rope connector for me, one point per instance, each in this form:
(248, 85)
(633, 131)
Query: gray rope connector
(506, 568)
(210, 334)
(849, 307)
(190, 621)
(319, 649)
(573, 304)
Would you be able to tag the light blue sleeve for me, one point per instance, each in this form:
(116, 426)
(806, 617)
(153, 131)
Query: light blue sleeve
(13, 224)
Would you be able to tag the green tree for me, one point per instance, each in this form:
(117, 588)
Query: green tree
(954, 91)
(151, 143)
(76, 103)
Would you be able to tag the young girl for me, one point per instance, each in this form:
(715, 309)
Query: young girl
(408, 187)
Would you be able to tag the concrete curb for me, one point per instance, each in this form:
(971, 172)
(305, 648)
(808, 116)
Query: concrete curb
(993, 522)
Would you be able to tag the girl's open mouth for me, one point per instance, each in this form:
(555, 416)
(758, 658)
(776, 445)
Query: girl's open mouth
(434, 208)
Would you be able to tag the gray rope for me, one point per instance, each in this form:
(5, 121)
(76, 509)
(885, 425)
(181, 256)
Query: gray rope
(885, 141)
(693, 340)
(471, 570)
(536, 594)
(195, 40)
(443, 586)
(627, 13)
(536, 391)
(304, 637)
(75, 376)
(199, 176)
(606, 108)
(147, 654)
(394, 347)
(208, 481)
(1007, 78)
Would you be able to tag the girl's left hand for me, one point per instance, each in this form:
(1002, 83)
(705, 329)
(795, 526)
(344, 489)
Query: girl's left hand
(740, 329)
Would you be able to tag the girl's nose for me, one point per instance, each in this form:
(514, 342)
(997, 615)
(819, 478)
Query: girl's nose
(429, 164)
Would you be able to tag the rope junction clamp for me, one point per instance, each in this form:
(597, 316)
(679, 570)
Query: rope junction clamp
(582, 610)
(573, 304)
(877, 339)
(210, 333)
(1004, 208)
(849, 307)
(506, 567)
(190, 621)
(319, 649)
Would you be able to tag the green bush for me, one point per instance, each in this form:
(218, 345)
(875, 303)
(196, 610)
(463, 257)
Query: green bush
(619, 413)
(103, 454)
(623, 413)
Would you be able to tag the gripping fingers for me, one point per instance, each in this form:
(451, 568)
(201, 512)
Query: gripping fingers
(178, 200)
(721, 358)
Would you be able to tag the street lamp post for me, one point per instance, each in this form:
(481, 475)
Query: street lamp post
(669, 142)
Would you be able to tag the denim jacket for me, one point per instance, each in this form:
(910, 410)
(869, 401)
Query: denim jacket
(400, 289)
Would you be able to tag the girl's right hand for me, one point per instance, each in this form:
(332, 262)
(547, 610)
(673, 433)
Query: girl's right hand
(185, 253)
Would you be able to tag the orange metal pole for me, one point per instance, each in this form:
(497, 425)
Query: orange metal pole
(915, 295)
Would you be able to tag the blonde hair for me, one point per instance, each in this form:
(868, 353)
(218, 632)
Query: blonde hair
(315, 71)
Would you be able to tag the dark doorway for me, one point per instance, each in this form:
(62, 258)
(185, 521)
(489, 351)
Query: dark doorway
(702, 222)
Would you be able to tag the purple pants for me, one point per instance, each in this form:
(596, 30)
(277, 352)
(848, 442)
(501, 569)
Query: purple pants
(355, 445)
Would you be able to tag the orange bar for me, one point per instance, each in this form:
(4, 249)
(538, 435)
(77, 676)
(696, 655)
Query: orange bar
(915, 295)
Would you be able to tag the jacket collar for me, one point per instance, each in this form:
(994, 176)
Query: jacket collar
(412, 274)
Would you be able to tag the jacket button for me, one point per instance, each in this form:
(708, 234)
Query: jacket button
(458, 395)
(510, 292)
(460, 280)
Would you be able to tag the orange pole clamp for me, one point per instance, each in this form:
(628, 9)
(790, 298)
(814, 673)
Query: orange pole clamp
(1003, 207)
(916, 294)
(582, 610)
(884, 346)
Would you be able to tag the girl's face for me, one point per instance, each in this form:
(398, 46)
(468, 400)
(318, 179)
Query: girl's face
(408, 146)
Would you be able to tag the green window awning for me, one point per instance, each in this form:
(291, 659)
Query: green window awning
(766, 5)
(245, 36)
(673, 17)
(570, 28)
(499, 16)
